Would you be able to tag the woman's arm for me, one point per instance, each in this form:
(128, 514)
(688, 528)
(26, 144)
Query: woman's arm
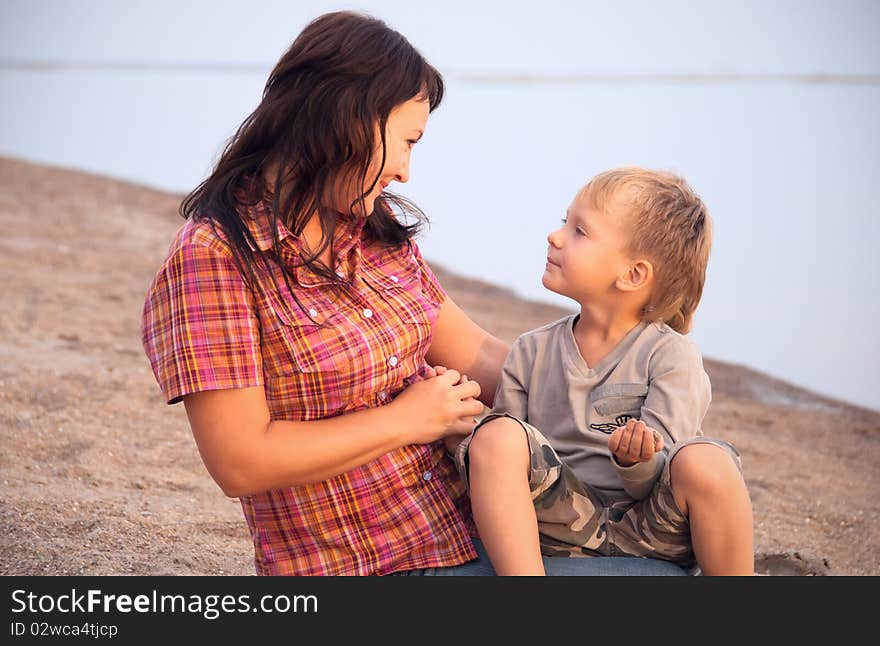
(462, 345)
(247, 452)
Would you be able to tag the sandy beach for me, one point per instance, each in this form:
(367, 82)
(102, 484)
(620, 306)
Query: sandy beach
(101, 477)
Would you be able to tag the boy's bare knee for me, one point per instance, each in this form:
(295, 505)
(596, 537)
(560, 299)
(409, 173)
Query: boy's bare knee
(501, 441)
(703, 469)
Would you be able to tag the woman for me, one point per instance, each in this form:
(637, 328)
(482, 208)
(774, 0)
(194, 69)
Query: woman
(296, 319)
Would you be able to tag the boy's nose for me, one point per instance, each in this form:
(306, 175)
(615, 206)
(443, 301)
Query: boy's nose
(553, 238)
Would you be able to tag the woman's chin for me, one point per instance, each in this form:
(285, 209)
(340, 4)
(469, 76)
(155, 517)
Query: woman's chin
(357, 212)
(367, 211)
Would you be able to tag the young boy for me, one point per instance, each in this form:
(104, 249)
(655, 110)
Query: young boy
(612, 460)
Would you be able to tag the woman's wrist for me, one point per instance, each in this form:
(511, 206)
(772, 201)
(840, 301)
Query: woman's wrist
(393, 421)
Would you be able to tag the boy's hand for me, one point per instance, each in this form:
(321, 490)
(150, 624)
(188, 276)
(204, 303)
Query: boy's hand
(635, 442)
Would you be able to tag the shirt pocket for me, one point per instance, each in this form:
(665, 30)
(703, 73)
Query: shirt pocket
(398, 285)
(619, 400)
(302, 345)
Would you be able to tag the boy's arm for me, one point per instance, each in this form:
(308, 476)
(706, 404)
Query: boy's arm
(678, 398)
(512, 394)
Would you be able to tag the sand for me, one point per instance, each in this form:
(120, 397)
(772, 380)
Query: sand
(101, 477)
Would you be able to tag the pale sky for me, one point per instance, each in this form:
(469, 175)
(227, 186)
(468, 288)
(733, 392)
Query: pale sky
(802, 149)
(491, 37)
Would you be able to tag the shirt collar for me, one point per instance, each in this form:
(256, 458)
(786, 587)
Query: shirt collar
(346, 239)
(258, 218)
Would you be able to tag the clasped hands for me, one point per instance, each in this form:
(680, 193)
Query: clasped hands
(443, 405)
(468, 422)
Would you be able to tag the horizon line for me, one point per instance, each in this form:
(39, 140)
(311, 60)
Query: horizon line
(476, 77)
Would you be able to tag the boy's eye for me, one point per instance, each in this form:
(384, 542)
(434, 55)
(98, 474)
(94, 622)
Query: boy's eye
(579, 230)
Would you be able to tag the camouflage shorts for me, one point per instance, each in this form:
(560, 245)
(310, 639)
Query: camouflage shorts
(575, 519)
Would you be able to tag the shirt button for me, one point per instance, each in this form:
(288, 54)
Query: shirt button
(368, 313)
(313, 313)
(383, 395)
(392, 361)
(427, 475)
(394, 278)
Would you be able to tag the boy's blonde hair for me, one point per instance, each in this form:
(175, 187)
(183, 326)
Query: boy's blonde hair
(667, 223)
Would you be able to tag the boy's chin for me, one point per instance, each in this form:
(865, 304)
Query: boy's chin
(548, 282)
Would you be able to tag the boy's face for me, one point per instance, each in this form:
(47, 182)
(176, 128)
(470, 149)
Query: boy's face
(585, 255)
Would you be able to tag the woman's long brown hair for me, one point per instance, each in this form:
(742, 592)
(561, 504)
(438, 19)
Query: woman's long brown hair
(316, 124)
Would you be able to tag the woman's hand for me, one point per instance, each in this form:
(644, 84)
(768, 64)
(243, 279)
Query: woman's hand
(441, 406)
(452, 441)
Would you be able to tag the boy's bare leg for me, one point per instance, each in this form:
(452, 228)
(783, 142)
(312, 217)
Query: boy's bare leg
(709, 489)
(498, 459)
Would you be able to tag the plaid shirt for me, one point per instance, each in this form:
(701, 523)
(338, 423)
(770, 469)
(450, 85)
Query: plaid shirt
(359, 346)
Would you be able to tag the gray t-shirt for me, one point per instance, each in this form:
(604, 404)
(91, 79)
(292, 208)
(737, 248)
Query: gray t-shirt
(654, 374)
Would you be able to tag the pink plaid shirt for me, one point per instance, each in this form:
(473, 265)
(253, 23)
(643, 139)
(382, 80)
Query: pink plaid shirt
(204, 328)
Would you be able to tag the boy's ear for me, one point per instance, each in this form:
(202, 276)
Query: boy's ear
(638, 276)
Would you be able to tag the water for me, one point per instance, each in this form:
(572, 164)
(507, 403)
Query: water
(788, 169)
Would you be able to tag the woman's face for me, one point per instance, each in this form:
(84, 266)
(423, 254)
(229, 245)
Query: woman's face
(406, 124)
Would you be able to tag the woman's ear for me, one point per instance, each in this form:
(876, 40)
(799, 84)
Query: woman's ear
(638, 276)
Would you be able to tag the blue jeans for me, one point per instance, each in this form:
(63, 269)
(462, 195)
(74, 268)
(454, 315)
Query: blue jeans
(562, 566)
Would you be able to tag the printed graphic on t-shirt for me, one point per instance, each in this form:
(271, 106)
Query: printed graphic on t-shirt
(608, 427)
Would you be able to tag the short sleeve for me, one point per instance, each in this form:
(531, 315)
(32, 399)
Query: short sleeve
(679, 391)
(678, 399)
(199, 326)
(512, 395)
(430, 285)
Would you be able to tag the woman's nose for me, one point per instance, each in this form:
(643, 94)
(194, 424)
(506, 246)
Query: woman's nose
(402, 174)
